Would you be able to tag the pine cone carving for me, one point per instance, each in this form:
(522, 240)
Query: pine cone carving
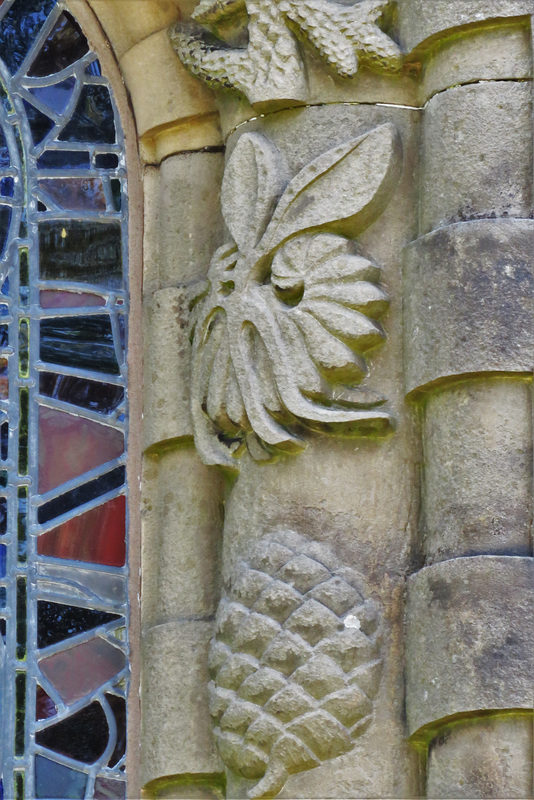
(295, 662)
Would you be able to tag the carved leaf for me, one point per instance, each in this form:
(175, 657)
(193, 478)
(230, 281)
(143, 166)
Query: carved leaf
(295, 662)
(252, 183)
(343, 190)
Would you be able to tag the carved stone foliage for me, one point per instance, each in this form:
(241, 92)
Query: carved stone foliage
(269, 67)
(295, 662)
(291, 307)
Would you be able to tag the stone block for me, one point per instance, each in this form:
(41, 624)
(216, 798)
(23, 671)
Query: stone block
(182, 521)
(127, 22)
(485, 54)
(176, 726)
(420, 20)
(477, 154)
(166, 367)
(470, 639)
(190, 222)
(477, 444)
(468, 301)
(162, 91)
(488, 757)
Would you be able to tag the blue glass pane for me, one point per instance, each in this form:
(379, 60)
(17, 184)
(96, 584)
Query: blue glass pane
(7, 187)
(93, 119)
(3, 515)
(3, 558)
(3, 597)
(85, 342)
(5, 221)
(57, 96)
(5, 160)
(65, 45)
(5, 287)
(20, 28)
(40, 124)
(94, 68)
(64, 159)
(56, 782)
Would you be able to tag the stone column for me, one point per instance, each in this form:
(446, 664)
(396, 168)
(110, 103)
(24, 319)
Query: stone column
(468, 289)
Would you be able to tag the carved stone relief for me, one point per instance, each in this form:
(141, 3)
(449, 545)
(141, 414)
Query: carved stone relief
(295, 662)
(268, 65)
(291, 306)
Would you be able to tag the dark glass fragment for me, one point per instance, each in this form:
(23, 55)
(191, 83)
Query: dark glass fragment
(19, 785)
(24, 403)
(40, 124)
(82, 494)
(41, 206)
(3, 516)
(108, 789)
(20, 712)
(82, 736)
(85, 252)
(93, 119)
(64, 159)
(3, 629)
(56, 96)
(7, 187)
(24, 362)
(57, 782)
(106, 161)
(94, 68)
(3, 597)
(45, 708)
(5, 221)
(4, 440)
(3, 477)
(20, 28)
(116, 191)
(118, 706)
(56, 622)
(5, 159)
(21, 619)
(85, 342)
(65, 45)
(22, 519)
(96, 396)
(4, 379)
(3, 560)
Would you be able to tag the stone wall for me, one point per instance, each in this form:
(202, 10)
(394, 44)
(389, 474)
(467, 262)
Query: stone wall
(337, 473)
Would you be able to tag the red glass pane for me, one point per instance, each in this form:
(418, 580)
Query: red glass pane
(45, 707)
(82, 669)
(98, 536)
(52, 299)
(70, 446)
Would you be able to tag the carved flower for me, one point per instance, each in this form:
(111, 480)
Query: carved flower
(295, 664)
(292, 307)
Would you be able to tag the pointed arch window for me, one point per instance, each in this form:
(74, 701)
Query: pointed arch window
(63, 412)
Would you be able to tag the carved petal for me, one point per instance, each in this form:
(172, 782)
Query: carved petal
(344, 189)
(350, 326)
(252, 183)
(334, 358)
(358, 295)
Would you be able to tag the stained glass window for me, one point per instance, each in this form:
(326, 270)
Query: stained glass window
(63, 413)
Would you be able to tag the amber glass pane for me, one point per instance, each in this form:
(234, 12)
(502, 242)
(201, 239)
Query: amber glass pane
(70, 446)
(98, 536)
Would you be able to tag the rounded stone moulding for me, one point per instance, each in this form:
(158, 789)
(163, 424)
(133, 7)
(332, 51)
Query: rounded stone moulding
(470, 639)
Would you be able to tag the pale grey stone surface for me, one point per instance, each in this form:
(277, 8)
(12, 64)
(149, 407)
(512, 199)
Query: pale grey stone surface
(468, 303)
(476, 158)
(470, 638)
(488, 757)
(476, 493)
